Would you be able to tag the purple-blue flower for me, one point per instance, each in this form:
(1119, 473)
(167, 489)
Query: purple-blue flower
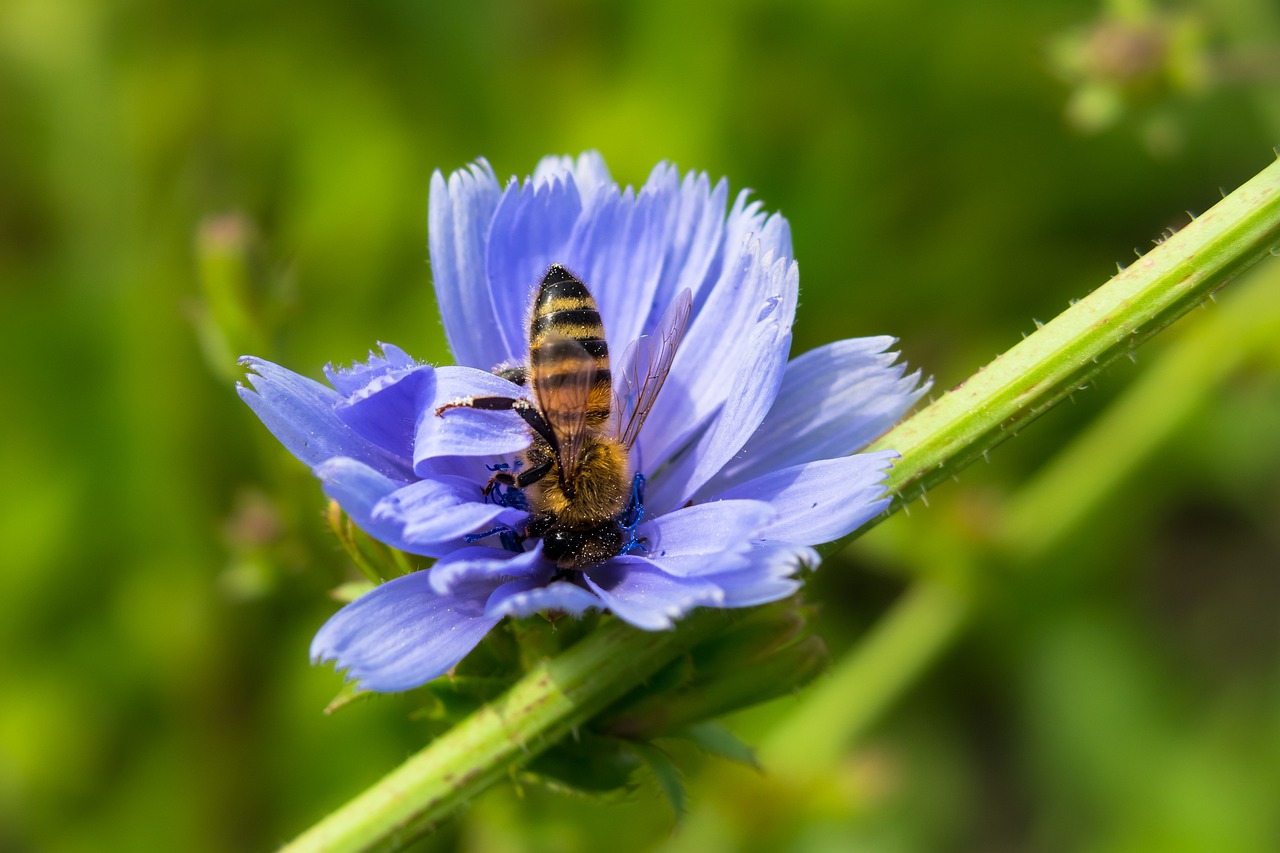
(745, 454)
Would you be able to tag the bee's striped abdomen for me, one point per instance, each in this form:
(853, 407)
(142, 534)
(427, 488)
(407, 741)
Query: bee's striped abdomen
(565, 308)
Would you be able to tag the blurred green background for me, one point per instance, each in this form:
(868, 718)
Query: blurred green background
(951, 172)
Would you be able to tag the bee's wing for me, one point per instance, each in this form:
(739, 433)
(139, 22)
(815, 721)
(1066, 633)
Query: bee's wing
(646, 364)
(562, 372)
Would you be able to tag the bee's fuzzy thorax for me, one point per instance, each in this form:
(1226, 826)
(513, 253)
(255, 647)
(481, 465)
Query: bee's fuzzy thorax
(599, 492)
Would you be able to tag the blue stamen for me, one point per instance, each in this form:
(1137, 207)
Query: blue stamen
(512, 541)
(503, 495)
(634, 545)
(511, 538)
(632, 516)
(476, 537)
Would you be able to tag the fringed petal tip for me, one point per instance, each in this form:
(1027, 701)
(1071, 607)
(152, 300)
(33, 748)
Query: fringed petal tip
(302, 414)
(390, 359)
(588, 171)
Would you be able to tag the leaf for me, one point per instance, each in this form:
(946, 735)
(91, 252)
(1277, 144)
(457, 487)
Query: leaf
(667, 775)
(716, 739)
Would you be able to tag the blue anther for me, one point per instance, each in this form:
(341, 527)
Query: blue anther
(632, 516)
(634, 512)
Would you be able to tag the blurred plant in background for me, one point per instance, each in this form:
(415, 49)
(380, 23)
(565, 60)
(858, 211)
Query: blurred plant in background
(1092, 662)
(1135, 62)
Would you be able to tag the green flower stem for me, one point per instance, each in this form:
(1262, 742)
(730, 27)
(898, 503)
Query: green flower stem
(1062, 356)
(545, 706)
(934, 444)
(1056, 502)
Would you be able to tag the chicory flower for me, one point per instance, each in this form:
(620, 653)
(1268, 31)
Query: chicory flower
(745, 456)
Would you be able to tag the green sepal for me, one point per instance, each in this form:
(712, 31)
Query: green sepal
(763, 654)
(542, 636)
(589, 763)
(350, 591)
(453, 698)
(349, 694)
(376, 561)
(753, 637)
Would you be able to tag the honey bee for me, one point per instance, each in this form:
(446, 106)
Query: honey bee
(576, 476)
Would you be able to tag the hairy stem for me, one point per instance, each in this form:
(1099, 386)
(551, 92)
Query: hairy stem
(1062, 356)
(544, 707)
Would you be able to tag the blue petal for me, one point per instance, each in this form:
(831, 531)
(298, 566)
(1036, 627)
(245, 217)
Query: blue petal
(387, 409)
(760, 291)
(359, 489)
(531, 230)
(754, 387)
(468, 432)
(702, 539)
(351, 379)
(820, 501)
(638, 591)
(300, 413)
(527, 596)
(694, 243)
(767, 575)
(477, 469)
(441, 510)
(479, 563)
(457, 230)
(833, 401)
(617, 249)
(403, 634)
(588, 172)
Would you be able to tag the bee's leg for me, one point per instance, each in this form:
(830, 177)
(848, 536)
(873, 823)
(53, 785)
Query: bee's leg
(526, 410)
(529, 476)
(502, 476)
(502, 491)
